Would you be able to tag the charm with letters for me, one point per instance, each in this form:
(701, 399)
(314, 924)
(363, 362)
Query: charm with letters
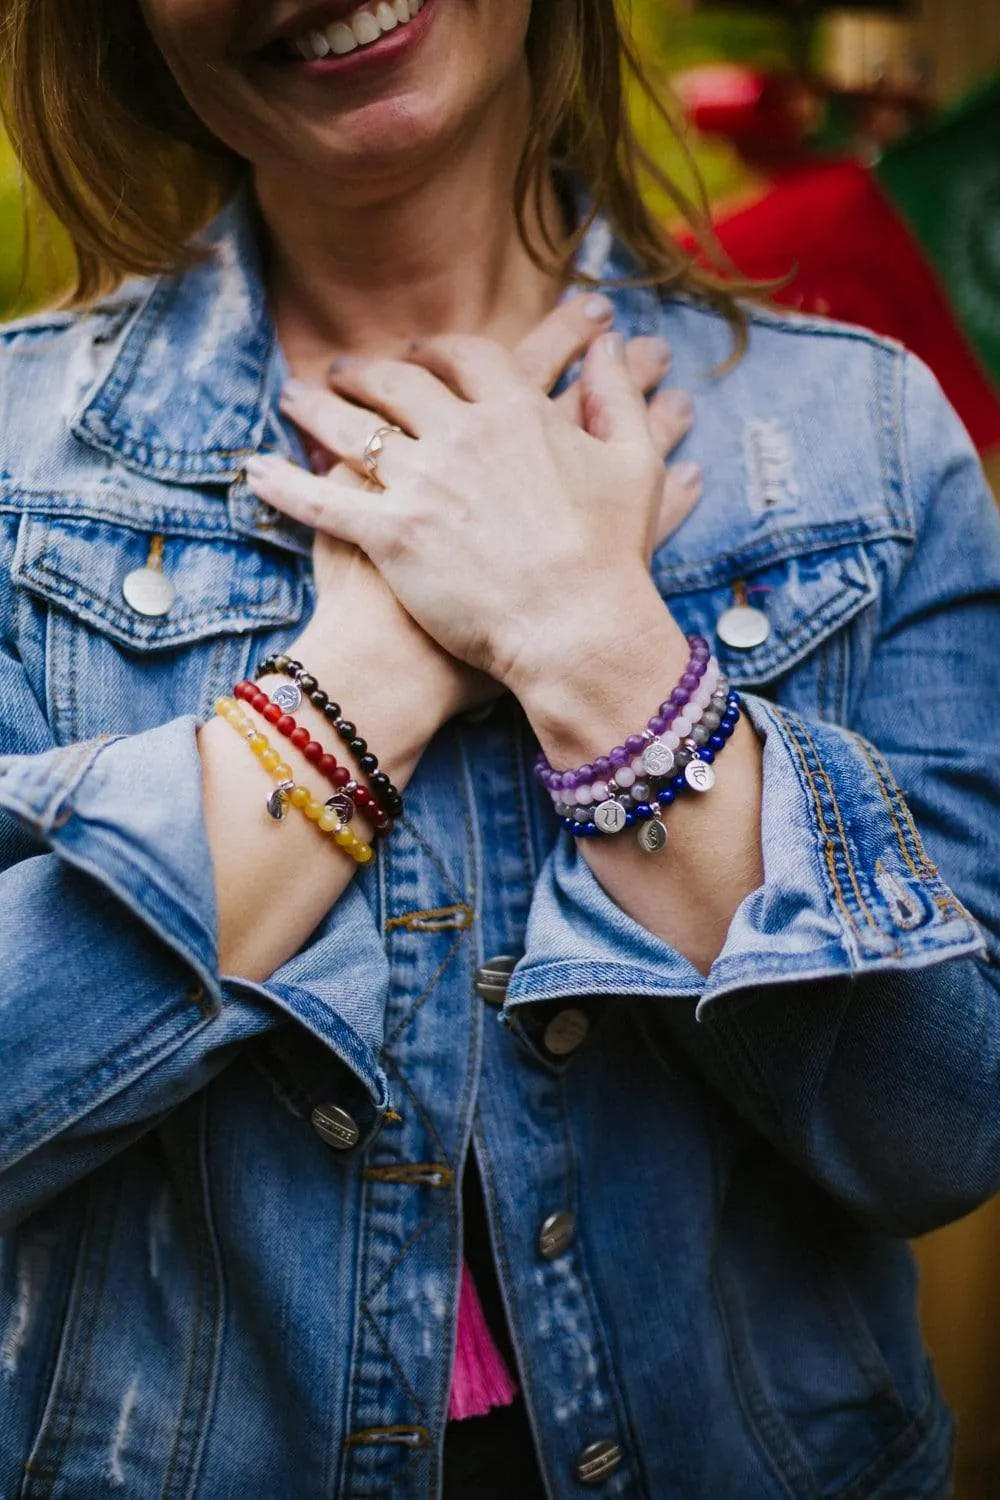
(699, 776)
(652, 836)
(288, 696)
(277, 802)
(610, 816)
(658, 759)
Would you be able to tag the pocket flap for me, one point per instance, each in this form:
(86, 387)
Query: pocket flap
(806, 598)
(220, 585)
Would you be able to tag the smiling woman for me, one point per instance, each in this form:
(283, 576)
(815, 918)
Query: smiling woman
(372, 673)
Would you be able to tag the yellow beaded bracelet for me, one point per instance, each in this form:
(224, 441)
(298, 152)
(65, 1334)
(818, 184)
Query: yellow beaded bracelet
(327, 819)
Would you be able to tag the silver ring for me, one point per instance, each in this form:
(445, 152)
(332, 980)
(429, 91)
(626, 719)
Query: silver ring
(373, 452)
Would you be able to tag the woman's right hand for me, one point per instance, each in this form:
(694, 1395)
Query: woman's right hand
(355, 608)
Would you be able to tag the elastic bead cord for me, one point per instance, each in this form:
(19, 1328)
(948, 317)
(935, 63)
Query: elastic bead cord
(325, 818)
(327, 764)
(286, 666)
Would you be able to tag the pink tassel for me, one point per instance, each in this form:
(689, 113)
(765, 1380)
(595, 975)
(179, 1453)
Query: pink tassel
(480, 1379)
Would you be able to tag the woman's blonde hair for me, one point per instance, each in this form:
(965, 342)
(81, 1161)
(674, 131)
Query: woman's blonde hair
(103, 133)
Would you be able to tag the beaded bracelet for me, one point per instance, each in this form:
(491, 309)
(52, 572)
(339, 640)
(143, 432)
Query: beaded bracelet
(652, 752)
(618, 813)
(325, 816)
(350, 793)
(669, 751)
(306, 683)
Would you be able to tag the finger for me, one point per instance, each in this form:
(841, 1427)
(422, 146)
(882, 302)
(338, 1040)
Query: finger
(683, 487)
(404, 394)
(475, 369)
(318, 502)
(563, 337)
(342, 429)
(670, 415)
(613, 407)
(648, 361)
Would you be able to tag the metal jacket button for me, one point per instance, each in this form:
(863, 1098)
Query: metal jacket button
(493, 977)
(556, 1235)
(336, 1126)
(565, 1032)
(598, 1462)
(742, 627)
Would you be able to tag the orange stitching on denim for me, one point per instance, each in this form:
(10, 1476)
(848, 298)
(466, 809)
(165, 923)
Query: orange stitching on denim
(424, 996)
(435, 919)
(828, 833)
(927, 872)
(417, 1173)
(842, 831)
(416, 1437)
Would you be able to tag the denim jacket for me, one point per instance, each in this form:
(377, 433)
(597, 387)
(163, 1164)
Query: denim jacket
(230, 1210)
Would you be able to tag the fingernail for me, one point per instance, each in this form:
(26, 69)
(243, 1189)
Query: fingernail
(613, 345)
(258, 466)
(687, 475)
(598, 309)
(681, 406)
(293, 390)
(338, 364)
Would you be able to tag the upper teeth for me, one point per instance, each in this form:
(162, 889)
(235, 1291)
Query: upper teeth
(362, 27)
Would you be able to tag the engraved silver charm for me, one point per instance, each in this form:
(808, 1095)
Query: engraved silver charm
(148, 591)
(288, 696)
(609, 816)
(652, 836)
(742, 627)
(277, 803)
(699, 776)
(342, 805)
(658, 759)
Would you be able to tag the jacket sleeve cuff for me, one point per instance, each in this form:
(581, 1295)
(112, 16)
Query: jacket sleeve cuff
(848, 889)
(127, 812)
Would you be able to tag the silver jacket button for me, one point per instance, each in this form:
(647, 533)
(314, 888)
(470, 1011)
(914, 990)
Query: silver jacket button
(742, 627)
(336, 1126)
(493, 978)
(565, 1032)
(556, 1235)
(148, 591)
(598, 1462)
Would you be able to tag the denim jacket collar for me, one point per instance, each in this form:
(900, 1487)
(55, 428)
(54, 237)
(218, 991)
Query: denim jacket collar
(192, 388)
(190, 391)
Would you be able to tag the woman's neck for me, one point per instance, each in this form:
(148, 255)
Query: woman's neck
(434, 251)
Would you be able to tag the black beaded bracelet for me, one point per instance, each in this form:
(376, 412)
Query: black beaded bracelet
(381, 785)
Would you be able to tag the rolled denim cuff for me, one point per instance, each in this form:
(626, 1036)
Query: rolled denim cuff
(127, 811)
(848, 889)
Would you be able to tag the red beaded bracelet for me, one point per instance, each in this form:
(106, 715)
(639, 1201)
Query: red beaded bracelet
(326, 764)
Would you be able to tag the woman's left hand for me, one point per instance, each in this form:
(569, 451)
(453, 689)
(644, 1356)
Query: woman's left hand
(510, 535)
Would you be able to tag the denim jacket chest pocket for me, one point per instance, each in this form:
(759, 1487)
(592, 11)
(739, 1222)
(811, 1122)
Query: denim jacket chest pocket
(819, 602)
(110, 667)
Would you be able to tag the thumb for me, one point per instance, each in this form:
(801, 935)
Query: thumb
(613, 407)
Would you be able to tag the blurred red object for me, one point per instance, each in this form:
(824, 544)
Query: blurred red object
(769, 111)
(853, 258)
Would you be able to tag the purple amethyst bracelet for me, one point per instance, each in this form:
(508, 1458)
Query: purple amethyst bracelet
(636, 780)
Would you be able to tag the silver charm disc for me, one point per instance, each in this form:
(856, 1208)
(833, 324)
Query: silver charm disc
(743, 627)
(342, 805)
(288, 696)
(277, 803)
(148, 591)
(699, 775)
(609, 816)
(652, 836)
(658, 759)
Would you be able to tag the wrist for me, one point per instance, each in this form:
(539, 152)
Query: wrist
(591, 694)
(396, 710)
